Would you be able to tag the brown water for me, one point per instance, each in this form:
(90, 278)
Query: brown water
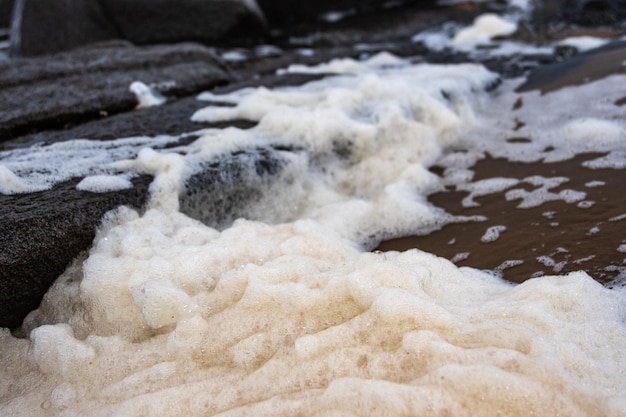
(553, 238)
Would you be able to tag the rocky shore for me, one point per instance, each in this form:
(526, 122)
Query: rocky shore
(75, 85)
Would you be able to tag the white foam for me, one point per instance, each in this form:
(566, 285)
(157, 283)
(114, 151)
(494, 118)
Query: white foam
(492, 233)
(614, 159)
(485, 187)
(336, 16)
(542, 193)
(361, 113)
(103, 183)
(146, 96)
(273, 320)
(559, 125)
(583, 43)
(167, 317)
(484, 28)
(594, 184)
(41, 167)
(235, 55)
(11, 183)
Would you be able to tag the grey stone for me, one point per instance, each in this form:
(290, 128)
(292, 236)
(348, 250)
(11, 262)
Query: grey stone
(285, 11)
(48, 26)
(50, 92)
(580, 12)
(232, 186)
(42, 233)
(6, 9)
(206, 21)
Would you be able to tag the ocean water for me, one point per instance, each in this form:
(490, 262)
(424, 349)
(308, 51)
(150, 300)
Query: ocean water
(286, 311)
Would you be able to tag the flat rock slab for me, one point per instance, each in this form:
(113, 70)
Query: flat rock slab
(49, 92)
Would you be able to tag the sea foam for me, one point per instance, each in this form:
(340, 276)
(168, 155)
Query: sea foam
(166, 316)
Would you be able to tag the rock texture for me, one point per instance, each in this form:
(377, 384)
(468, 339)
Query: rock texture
(42, 232)
(47, 26)
(52, 25)
(52, 92)
(587, 13)
(206, 21)
(6, 8)
(284, 11)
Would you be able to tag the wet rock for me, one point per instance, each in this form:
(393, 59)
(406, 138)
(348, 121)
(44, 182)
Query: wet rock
(50, 92)
(580, 12)
(43, 232)
(284, 11)
(583, 68)
(236, 184)
(6, 7)
(206, 21)
(48, 26)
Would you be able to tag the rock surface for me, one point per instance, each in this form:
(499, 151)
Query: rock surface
(50, 92)
(162, 21)
(52, 25)
(48, 26)
(6, 8)
(42, 232)
(282, 12)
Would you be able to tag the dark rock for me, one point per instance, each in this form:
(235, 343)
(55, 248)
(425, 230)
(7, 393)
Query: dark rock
(6, 9)
(48, 93)
(43, 232)
(586, 67)
(231, 186)
(580, 12)
(206, 21)
(171, 118)
(284, 11)
(47, 26)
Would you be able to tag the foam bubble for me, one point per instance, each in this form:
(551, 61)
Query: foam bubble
(146, 95)
(103, 183)
(492, 233)
(485, 27)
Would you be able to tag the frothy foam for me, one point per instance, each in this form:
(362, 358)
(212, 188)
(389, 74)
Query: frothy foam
(171, 312)
(168, 317)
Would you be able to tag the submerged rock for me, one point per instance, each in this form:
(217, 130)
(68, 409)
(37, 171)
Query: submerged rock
(237, 184)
